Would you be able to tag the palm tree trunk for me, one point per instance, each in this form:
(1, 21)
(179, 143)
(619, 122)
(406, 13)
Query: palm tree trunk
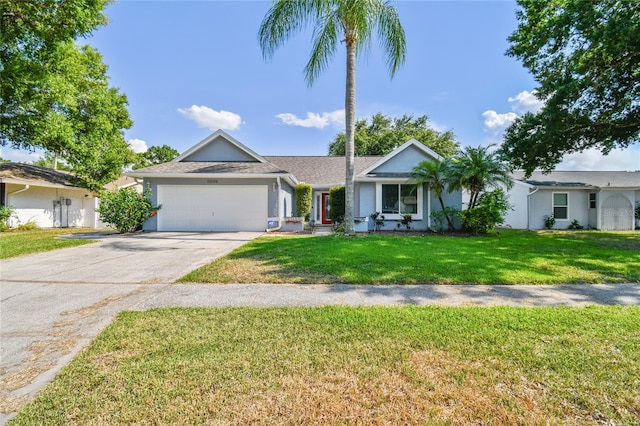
(444, 211)
(350, 118)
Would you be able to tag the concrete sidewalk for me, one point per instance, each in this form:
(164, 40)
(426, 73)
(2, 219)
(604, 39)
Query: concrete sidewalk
(268, 295)
(38, 342)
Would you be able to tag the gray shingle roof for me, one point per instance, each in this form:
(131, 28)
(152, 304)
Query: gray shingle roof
(320, 170)
(600, 179)
(180, 167)
(35, 174)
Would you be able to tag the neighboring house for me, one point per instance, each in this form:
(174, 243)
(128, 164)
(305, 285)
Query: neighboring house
(221, 185)
(46, 197)
(597, 200)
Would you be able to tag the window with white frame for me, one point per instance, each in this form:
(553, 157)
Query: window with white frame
(394, 200)
(561, 205)
(592, 200)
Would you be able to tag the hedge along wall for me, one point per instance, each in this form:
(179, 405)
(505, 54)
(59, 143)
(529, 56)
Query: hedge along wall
(336, 195)
(304, 194)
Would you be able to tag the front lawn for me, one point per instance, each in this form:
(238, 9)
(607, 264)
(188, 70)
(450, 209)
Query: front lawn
(345, 365)
(507, 257)
(17, 243)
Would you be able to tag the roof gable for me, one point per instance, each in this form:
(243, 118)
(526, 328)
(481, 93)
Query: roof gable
(219, 147)
(402, 159)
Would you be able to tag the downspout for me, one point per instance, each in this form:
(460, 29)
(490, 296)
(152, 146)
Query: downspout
(17, 192)
(277, 228)
(26, 187)
(529, 207)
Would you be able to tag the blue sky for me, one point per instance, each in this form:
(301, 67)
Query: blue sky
(191, 67)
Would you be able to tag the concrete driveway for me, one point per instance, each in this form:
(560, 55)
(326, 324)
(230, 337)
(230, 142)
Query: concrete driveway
(146, 258)
(53, 304)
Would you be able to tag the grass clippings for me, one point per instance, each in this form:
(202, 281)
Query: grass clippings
(504, 257)
(345, 365)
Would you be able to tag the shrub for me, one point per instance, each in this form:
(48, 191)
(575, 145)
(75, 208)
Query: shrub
(378, 220)
(304, 194)
(489, 212)
(336, 195)
(125, 209)
(575, 225)
(406, 221)
(549, 221)
(29, 226)
(439, 217)
(5, 214)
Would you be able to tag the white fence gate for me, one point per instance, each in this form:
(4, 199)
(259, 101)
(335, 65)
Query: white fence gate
(617, 214)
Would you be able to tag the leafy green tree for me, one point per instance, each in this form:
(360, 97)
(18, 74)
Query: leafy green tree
(436, 174)
(379, 135)
(126, 209)
(51, 161)
(351, 22)
(54, 94)
(155, 155)
(490, 211)
(476, 169)
(585, 55)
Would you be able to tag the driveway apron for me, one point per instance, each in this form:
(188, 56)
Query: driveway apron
(53, 304)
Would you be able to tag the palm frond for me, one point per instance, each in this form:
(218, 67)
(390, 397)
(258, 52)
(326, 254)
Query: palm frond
(325, 35)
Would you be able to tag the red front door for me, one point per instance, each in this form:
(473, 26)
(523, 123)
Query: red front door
(326, 209)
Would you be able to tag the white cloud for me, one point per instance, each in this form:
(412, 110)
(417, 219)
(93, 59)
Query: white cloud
(138, 145)
(212, 119)
(313, 119)
(498, 122)
(592, 159)
(526, 101)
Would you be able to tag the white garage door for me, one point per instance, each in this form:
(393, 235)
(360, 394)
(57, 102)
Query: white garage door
(212, 208)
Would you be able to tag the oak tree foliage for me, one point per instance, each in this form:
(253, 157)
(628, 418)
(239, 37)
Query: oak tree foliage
(380, 134)
(54, 92)
(155, 155)
(585, 56)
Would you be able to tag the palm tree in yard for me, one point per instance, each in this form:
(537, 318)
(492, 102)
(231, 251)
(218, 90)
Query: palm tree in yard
(435, 174)
(351, 22)
(476, 169)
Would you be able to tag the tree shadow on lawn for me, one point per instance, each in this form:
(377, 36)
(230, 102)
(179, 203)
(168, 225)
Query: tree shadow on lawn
(425, 260)
(494, 295)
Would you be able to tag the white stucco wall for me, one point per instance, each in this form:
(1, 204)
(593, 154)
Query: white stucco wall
(541, 204)
(36, 204)
(517, 216)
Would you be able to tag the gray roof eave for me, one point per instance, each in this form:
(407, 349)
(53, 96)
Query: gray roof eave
(286, 176)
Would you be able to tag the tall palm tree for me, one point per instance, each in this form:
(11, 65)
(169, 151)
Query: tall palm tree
(336, 21)
(435, 174)
(478, 168)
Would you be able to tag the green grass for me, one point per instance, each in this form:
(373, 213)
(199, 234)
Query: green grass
(345, 365)
(510, 257)
(17, 243)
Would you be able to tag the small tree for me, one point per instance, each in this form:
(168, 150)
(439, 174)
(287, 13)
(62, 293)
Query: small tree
(489, 212)
(336, 194)
(304, 194)
(126, 209)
